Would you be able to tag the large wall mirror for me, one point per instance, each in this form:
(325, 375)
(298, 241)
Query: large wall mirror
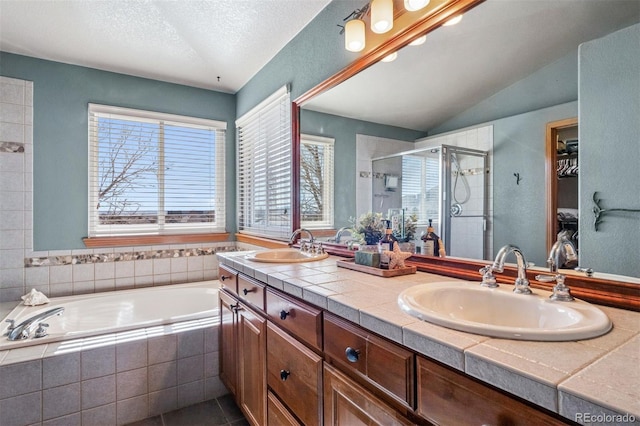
(512, 66)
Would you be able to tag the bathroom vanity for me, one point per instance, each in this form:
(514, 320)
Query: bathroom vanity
(316, 344)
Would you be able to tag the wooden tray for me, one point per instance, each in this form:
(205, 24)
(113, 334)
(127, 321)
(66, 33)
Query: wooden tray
(351, 264)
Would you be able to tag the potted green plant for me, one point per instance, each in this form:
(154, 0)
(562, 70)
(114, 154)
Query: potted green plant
(368, 227)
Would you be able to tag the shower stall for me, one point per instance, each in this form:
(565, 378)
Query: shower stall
(445, 184)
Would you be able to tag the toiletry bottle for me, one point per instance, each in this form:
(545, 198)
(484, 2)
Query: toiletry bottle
(431, 242)
(386, 243)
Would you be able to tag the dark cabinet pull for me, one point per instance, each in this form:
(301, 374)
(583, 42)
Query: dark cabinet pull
(235, 308)
(352, 354)
(284, 314)
(284, 375)
(246, 291)
(224, 277)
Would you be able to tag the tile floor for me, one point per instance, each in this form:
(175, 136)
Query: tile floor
(216, 412)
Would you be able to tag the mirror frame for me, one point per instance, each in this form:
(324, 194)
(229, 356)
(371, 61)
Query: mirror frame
(608, 292)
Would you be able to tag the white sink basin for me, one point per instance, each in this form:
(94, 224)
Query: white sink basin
(286, 255)
(498, 312)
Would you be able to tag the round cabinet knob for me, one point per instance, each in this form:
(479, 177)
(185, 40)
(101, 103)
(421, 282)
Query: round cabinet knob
(246, 291)
(352, 354)
(284, 375)
(284, 314)
(224, 277)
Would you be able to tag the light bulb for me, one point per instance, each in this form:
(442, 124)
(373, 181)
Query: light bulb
(390, 58)
(420, 40)
(453, 21)
(354, 35)
(413, 5)
(381, 16)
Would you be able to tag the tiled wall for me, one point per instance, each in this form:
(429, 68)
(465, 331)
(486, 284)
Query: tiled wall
(112, 379)
(16, 154)
(64, 273)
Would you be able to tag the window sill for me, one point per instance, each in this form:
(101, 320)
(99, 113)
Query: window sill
(148, 240)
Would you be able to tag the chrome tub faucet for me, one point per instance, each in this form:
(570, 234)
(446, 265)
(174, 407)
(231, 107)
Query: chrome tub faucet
(31, 325)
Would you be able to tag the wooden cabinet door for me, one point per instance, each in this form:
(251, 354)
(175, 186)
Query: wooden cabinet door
(348, 404)
(447, 397)
(252, 357)
(229, 342)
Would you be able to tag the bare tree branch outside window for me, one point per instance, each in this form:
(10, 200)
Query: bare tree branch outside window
(312, 182)
(128, 164)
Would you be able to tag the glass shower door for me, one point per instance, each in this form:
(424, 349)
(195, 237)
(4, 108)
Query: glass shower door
(464, 201)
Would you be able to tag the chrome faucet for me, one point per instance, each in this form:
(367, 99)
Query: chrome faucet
(562, 252)
(35, 323)
(297, 232)
(340, 232)
(521, 283)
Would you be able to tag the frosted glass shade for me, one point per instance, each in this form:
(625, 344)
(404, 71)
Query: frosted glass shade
(354, 35)
(453, 21)
(381, 16)
(413, 5)
(390, 57)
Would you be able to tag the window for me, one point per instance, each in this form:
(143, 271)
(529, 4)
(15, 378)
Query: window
(316, 181)
(264, 168)
(154, 174)
(420, 187)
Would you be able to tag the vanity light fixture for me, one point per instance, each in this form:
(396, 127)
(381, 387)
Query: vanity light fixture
(413, 5)
(453, 21)
(381, 16)
(354, 35)
(390, 57)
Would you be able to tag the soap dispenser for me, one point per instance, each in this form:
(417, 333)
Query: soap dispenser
(432, 244)
(386, 243)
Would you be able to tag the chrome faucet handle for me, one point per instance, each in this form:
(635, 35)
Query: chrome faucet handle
(303, 246)
(488, 279)
(561, 292)
(41, 331)
(588, 271)
(12, 324)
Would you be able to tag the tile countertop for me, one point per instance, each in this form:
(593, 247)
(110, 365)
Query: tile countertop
(577, 379)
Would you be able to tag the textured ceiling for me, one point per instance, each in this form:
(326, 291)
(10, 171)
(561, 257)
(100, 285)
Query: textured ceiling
(190, 42)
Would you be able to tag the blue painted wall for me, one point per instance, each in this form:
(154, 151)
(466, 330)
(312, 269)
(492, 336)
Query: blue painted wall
(609, 153)
(61, 95)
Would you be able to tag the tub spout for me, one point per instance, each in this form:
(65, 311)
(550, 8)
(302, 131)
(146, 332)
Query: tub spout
(35, 323)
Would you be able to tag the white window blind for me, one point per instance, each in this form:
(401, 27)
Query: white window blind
(264, 168)
(316, 181)
(420, 187)
(154, 173)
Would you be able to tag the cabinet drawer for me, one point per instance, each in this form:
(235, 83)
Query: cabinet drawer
(443, 392)
(298, 318)
(379, 362)
(228, 279)
(252, 291)
(277, 414)
(294, 373)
